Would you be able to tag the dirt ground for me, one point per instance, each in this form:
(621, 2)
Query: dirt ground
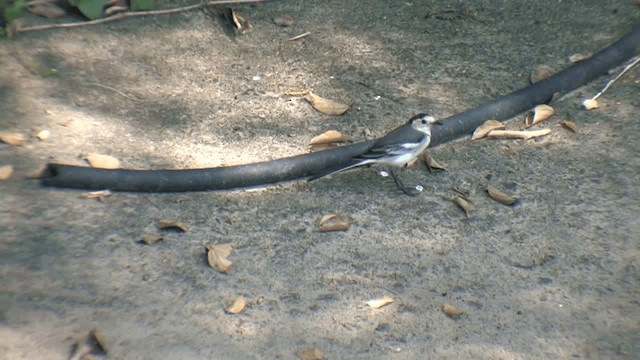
(555, 277)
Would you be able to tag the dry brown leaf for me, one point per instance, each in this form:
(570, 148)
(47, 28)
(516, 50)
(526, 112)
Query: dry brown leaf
(283, 20)
(540, 73)
(570, 125)
(43, 135)
(462, 191)
(500, 196)
(464, 204)
(310, 354)
(100, 195)
(379, 302)
(432, 164)
(328, 137)
(296, 92)
(99, 339)
(538, 114)
(237, 306)
(240, 24)
(217, 256)
(12, 138)
(150, 239)
(13, 28)
(334, 222)
(5, 172)
(486, 128)
(526, 135)
(170, 224)
(48, 10)
(223, 249)
(590, 104)
(36, 173)
(326, 106)
(102, 161)
(579, 57)
(452, 311)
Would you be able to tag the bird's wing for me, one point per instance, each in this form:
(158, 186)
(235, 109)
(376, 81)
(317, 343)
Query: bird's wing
(377, 152)
(400, 135)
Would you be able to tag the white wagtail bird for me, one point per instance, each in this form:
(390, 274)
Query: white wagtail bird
(394, 150)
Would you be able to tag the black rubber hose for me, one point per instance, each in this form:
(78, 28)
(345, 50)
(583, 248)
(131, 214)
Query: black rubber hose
(302, 166)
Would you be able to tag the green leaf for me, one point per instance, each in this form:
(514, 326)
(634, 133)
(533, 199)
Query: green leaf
(89, 8)
(14, 11)
(138, 5)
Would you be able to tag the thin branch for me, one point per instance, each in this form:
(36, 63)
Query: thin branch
(139, 13)
(300, 36)
(116, 91)
(627, 68)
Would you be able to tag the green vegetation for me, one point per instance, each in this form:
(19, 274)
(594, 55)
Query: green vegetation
(92, 9)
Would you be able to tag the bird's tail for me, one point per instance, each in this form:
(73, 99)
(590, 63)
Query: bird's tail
(343, 167)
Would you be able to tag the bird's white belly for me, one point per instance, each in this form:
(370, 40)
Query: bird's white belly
(398, 161)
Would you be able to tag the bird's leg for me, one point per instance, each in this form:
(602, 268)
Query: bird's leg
(407, 190)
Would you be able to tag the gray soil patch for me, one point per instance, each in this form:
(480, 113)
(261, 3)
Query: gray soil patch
(555, 277)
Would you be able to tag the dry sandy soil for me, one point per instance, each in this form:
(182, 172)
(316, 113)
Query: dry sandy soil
(555, 277)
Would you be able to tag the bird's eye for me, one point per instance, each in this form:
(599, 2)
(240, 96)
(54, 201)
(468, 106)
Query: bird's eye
(424, 121)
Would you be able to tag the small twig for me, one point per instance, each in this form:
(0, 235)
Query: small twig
(526, 135)
(117, 92)
(137, 14)
(626, 68)
(300, 36)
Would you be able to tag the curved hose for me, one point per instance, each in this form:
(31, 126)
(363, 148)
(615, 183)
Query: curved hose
(302, 166)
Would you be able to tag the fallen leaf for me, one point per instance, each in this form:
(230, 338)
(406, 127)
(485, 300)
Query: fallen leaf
(538, 114)
(462, 191)
(579, 57)
(482, 130)
(432, 164)
(326, 106)
(296, 92)
(217, 256)
(100, 195)
(570, 125)
(48, 10)
(150, 239)
(328, 137)
(310, 354)
(36, 173)
(239, 23)
(464, 204)
(379, 302)
(526, 135)
(170, 224)
(97, 336)
(43, 135)
(452, 311)
(283, 20)
(5, 172)
(102, 161)
(12, 138)
(237, 306)
(13, 28)
(590, 104)
(540, 73)
(333, 222)
(223, 249)
(501, 197)
(92, 344)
